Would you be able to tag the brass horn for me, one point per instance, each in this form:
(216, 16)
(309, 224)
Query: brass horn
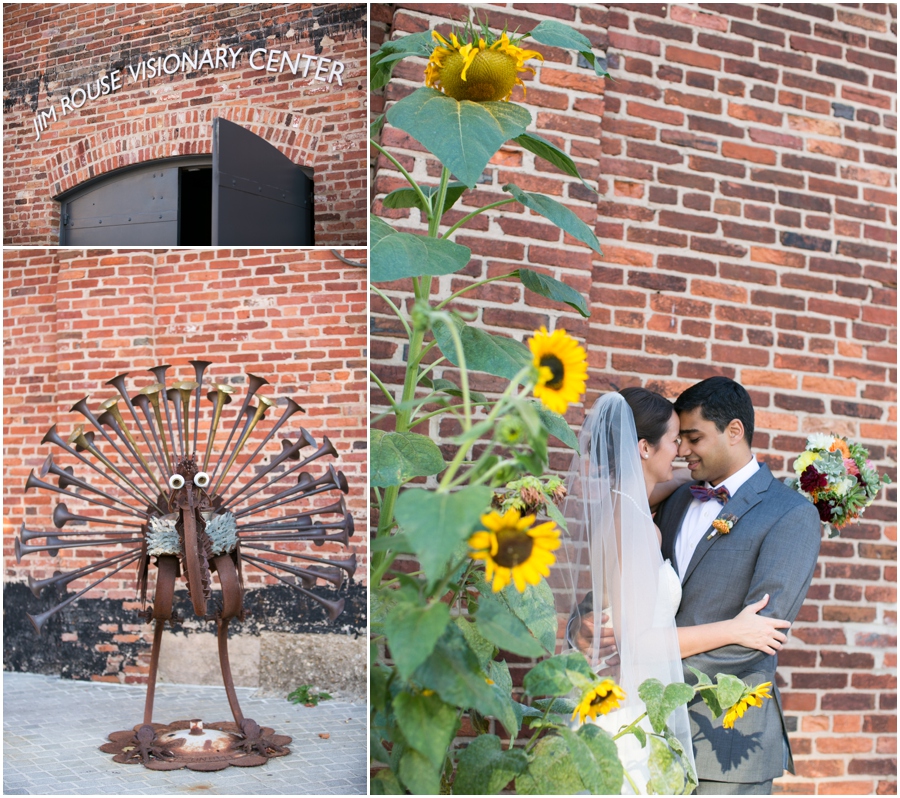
(37, 585)
(81, 406)
(292, 407)
(221, 397)
(78, 437)
(62, 516)
(306, 486)
(332, 608)
(55, 543)
(160, 373)
(112, 417)
(254, 383)
(199, 367)
(119, 383)
(327, 448)
(150, 396)
(185, 388)
(264, 404)
(174, 397)
(38, 621)
(34, 482)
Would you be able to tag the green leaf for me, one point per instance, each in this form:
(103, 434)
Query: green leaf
(493, 354)
(559, 675)
(687, 764)
(397, 457)
(551, 153)
(419, 775)
(505, 630)
(551, 770)
(409, 198)
(449, 387)
(566, 220)
(376, 126)
(662, 701)
(484, 649)
(555, 34)
(381, 63)
(453, 672)
(638, 732)
(729, 689)
(412, 632)
(595, 758)
(465, 135)
(384, 782)
(536, 609)
(557, 426)
(553, 289)
(667, 775)
(428, 724)
(500, 675)
(485, 768)
(559, 706)
(396, 256)
(436, 523)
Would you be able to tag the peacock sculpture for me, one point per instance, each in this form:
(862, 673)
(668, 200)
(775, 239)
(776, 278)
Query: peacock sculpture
(192, 508)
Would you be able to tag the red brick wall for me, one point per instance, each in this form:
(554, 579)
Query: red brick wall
(75, 319)
(745, 157)
(51, 49)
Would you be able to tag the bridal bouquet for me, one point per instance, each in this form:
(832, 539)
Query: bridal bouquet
(838, 477)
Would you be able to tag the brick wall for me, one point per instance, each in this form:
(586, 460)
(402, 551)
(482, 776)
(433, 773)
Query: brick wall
(745, 158)
(52, 49)
(75, 319)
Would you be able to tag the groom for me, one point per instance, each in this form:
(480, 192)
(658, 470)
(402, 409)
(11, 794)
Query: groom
(772, 548)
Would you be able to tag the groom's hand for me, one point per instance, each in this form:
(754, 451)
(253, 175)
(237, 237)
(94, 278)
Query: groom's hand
(584, 639)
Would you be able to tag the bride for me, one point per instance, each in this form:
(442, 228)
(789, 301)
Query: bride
(610, 567)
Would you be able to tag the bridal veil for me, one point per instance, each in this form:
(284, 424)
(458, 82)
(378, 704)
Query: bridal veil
(610, 565)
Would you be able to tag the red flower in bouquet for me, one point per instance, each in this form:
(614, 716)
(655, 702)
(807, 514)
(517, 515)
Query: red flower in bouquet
(811, 480)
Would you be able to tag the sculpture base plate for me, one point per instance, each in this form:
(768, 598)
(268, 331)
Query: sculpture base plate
(194, 745)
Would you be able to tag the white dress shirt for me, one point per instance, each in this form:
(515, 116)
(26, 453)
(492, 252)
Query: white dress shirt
(700, 515)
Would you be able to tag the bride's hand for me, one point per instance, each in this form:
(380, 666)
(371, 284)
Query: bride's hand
(760, 632)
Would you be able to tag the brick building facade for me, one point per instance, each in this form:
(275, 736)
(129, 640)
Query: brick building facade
(75, 319)
(111, 86)
(745, 163)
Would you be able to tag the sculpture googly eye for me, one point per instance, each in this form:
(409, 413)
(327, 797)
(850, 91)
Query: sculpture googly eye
(176, 481)
(201, 479)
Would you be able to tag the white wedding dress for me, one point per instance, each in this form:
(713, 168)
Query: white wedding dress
(635, 759)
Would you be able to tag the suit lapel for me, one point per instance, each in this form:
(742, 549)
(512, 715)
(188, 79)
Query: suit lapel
(681, 502)
(747, 497)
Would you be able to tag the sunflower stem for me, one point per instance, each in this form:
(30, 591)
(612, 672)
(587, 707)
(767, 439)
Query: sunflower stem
(461, 365)
(393, 307)
(437, 210)
(473, 214)
(634, 786)
(384, 390)
(533, 741)
(409, 179)
(475, 285)
(630, 726)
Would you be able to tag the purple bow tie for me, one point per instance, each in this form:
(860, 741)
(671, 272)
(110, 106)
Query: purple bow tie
(705, 494)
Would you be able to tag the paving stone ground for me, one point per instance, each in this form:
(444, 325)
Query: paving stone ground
(52, 729)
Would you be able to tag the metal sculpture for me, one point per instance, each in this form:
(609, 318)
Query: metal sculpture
(192, 522)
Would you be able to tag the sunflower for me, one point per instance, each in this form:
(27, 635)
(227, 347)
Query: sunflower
(562, 368)
(513, 549)
(599, 700)
(483, 69)
(752, 698)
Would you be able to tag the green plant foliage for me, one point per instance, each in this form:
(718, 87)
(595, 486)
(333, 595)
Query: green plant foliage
(412, 632)
(553, 289)
(419, 775)
(436, 523)
(396, 256)
(662, 701)
(384, 782)
(428, 724)
(666, 774)
(381, 64)
(595, 758)
(491, 354)
(551, 771)
(306, 694)
(410, 198)
(497, 624)
(566, 220)
(485, 768)
(555, 34)
(559, 675)
(397, 457)
(535, 608)
(550, 153)
(465, 135)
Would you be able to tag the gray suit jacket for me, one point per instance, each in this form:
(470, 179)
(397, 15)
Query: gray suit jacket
(772, 548)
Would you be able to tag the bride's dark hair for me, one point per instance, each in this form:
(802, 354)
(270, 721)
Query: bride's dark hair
(651, 413)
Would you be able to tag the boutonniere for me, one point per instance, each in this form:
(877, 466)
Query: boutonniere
(722, 525)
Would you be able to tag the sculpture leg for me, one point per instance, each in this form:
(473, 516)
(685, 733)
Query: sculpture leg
(232, 601)
(167, 567)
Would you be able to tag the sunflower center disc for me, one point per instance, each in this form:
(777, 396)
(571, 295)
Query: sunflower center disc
(557, 369)
(513, 547)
